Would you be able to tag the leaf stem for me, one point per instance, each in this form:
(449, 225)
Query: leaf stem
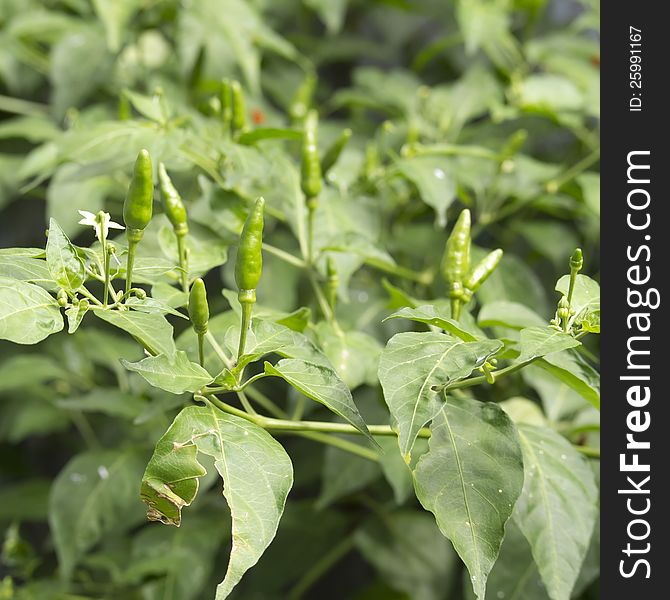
(201, 349)
(218, 350)
(285, 256)
(321, 567)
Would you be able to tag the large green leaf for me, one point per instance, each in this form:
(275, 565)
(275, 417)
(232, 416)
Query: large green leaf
(558, 507)
(65, 266)
(152, 331)
(573, 370)
(508, 314)
(515, 575)
(176, 375)
(412, 364)
(438, 317)
(256, 472)
(470, 479)
(535, 342)
(353, 354)
(28, 314)
(321, 384)
(26, 268)
(94, 495)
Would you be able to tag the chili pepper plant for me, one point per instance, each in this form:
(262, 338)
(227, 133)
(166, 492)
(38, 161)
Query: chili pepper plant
(314, 310)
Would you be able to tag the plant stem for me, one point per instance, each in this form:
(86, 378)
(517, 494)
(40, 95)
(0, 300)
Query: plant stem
(285, 256)
(320, 297)
(299, 409)
(310, 231)
(569, 174)
(84, 292)
(183, 260)
(218, 350)
(246, 404)
(322, 566)
(130, 262)
(247, 307)
(422, 277)
(262, 400)
(201, 349)
(18, 106)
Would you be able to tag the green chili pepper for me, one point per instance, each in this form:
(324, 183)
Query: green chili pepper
(302, 100)
(482, 270)
(172, 202)
(456, 260)
(176, 213)
(249, 266)
(137, 208)
(332, 282)
(226, 105)
(249, 262)
(239, 116)
(310, 180)
(333, 153)
(198, 312)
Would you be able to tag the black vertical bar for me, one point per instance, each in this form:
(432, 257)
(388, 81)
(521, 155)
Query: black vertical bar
(635, 244)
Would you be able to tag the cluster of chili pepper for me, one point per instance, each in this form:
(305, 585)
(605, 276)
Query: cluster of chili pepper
(462, 281)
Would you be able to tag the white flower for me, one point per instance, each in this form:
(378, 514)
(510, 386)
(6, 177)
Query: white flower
(102, 222)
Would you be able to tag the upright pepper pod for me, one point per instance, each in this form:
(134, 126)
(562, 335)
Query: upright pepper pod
(176, 213)
(333, 153)
(302, 99)
(332, 282)
(137, 208)
(172, 202)
(310, 174)
(249, 266)
(226, 100)
(456, 260)
(198, 312)
(239, 116)
(481, 272)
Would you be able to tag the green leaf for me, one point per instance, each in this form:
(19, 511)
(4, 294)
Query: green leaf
(470, 479)
(64, 264)
(558, 507)
(321, 384)
(74, 315)
(17, 370)
(412, 364)
(175, 374)
(433, 315)
(508, 314)
(535, 342)
(549, 94)
(515, 575)
(25, 268)
(152, 331)
(343, 474)
(574, 371)
(115, 16)
(410, 553)
(353, 354)
(256, 472)
(79, 63)
(28, 314)
(153, 306)
(331, 12)
(94, 495)
(107, 401)
(148, 106)
(434, 180)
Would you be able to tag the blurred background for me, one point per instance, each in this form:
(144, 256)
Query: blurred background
(84, 83)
